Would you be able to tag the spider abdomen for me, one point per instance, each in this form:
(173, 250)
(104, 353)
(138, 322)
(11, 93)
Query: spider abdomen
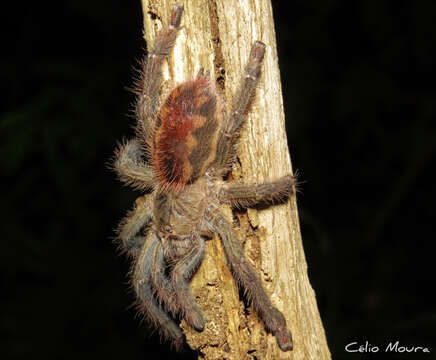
(185, 133)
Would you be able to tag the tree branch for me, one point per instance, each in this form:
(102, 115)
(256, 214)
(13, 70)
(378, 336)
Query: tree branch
(218, 35)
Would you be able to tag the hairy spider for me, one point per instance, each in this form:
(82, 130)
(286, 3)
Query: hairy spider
(179, 156)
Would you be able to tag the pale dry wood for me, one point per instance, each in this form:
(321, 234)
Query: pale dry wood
(218, 35)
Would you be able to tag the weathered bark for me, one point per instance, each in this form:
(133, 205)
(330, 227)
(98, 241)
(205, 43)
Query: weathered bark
(218, 35)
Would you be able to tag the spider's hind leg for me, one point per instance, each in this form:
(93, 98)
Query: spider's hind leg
(148, 85)
(130, 166)
(242, 101)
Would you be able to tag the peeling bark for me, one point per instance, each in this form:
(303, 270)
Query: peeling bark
(218, 35)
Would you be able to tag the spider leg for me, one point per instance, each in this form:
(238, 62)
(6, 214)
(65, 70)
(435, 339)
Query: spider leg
(246, 277)
(148, 85)
(142, 279)
(240, 106)
(162, 286)
(130, 167)
(181, 273)
(248, 195)
(129, 232)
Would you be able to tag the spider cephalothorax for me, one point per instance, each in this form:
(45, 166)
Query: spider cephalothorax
(181, 151)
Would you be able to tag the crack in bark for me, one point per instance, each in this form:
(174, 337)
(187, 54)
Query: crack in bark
(218, 61)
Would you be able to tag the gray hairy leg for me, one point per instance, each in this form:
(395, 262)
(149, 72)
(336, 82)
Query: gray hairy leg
(161, 284)
(251, 194)
(181, 273)
(149, 84)
(142, 279)
(130, 166)
(242, 101)
(130, 232)
(246, 277)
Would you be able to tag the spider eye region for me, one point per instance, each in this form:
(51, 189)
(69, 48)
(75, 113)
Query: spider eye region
(185, 134)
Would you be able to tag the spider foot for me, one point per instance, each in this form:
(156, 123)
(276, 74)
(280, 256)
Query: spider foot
(178, 343)
(284, 339)
(176, 15)
(195, 320)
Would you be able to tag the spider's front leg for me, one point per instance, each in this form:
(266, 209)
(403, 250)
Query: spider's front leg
(252, 194)
(181, 273)
(144, 272)
(174, 293)
(248, 280)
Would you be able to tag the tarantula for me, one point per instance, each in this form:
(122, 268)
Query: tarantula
(180, 155)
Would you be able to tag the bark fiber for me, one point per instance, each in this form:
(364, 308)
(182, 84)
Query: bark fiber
(218, 35)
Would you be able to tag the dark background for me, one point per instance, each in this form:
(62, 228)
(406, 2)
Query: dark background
(360, 109)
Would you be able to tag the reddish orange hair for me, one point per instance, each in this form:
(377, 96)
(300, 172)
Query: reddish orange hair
(185, 132)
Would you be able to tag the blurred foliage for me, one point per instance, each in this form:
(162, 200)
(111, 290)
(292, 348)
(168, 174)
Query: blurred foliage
(360, 105)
